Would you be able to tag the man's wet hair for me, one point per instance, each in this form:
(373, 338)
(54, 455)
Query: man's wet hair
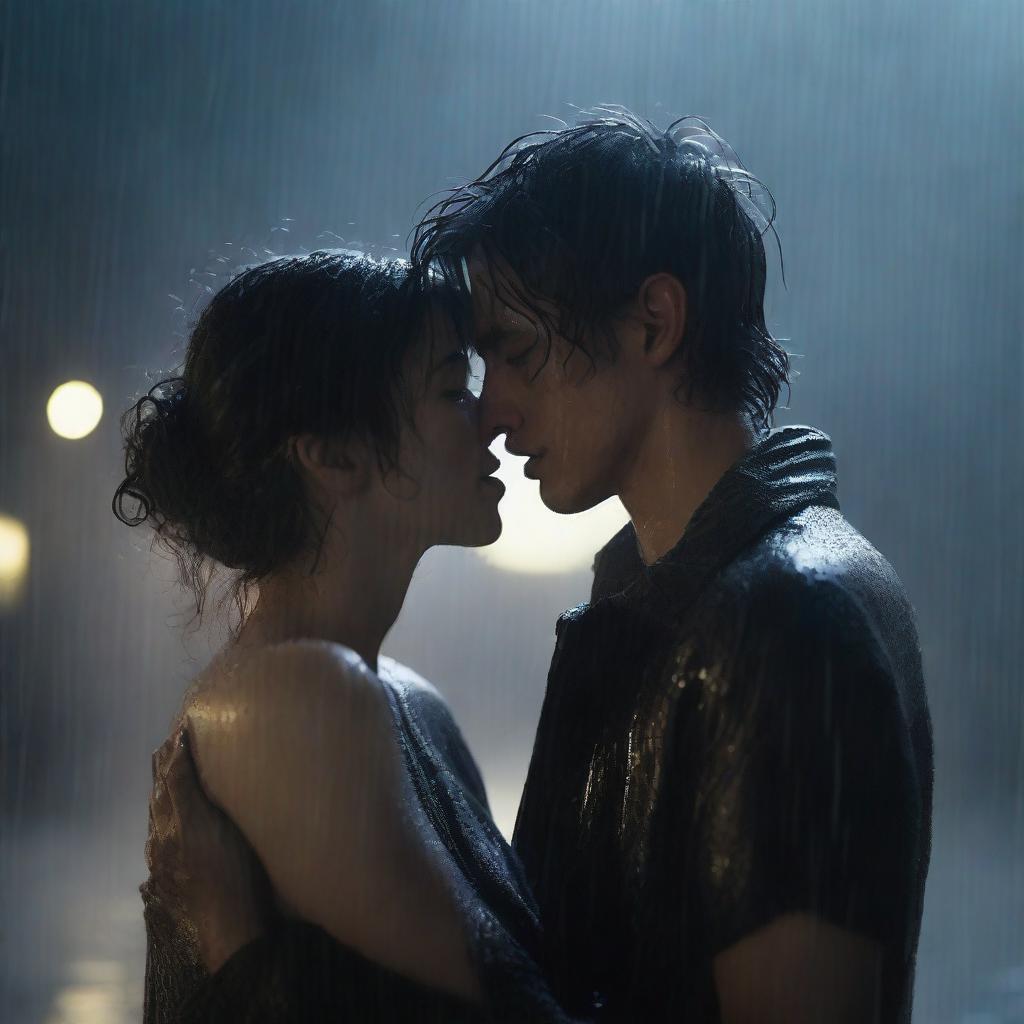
(583, 214)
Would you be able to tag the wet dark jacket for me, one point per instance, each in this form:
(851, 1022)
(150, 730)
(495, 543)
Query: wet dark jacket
(736, 732)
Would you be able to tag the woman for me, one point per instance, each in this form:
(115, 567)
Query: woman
(319, 440)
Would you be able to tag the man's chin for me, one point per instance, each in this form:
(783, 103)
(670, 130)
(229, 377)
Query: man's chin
(563, 503)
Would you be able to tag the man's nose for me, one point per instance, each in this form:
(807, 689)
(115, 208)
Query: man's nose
(496, 414)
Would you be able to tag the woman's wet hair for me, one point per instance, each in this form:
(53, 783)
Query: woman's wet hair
(313, 343)
(584, 214)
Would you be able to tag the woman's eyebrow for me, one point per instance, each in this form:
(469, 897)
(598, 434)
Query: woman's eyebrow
(490, 339)
(453, 358)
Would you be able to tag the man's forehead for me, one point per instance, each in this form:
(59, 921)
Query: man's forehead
(496, 305)
(501, 326)
(490, 276)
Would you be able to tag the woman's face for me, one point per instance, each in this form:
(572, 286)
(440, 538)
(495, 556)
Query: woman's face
(451, 498)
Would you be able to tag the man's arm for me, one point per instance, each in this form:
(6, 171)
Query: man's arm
(800, 969)
(200, 861)
(809, 812)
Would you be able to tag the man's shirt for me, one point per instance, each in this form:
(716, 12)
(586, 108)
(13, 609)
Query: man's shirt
(733, 733)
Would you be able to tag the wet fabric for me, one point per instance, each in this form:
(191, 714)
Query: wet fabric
(737, 731)
(297, 972)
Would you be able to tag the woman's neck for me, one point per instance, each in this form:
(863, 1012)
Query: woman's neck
(353, 598)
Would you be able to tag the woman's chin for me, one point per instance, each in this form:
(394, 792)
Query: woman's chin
(489, 531)
(492, 532)
(476, 531)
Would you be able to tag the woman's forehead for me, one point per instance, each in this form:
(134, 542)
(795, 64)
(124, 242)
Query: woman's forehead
(439, 341)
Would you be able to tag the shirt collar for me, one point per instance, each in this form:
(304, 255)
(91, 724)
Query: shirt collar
(787, 470)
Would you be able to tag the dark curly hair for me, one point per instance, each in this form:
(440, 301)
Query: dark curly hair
(584, 214)
(312, 343)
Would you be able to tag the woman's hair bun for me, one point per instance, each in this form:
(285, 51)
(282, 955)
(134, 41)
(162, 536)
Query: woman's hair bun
(167, 480)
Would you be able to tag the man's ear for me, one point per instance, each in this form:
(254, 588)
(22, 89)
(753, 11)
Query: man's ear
(662, 308)
(342, 468)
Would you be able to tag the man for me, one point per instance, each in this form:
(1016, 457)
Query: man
(728, 810)
(727, 814)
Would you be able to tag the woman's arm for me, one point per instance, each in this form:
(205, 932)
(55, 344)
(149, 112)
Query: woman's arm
(297, 747)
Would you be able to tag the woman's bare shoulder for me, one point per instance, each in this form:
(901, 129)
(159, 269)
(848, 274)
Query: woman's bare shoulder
(287, 722)
(285, 672)
(263, 695)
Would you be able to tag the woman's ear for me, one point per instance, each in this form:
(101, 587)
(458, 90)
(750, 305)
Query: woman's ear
(340, 467)
(662, 306)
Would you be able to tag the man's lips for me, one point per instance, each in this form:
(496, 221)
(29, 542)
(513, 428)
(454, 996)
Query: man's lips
(532, 458)
(529, 467)
(520, 453)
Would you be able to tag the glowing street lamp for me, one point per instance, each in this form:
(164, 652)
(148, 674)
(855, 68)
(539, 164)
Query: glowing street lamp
(14, 548)
(74, 409)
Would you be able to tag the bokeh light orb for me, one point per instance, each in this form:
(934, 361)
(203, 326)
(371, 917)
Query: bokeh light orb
(14, 547)
(74, 409)
(536, 540)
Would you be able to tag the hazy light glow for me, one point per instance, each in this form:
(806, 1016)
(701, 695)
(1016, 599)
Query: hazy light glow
(14, 548)
(536, 540)
(74, 409)
(96, 996)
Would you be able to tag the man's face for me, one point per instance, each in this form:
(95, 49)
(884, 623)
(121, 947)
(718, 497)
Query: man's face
(581, 427)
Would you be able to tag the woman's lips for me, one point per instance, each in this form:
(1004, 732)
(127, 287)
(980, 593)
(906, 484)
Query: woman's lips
(529, 467)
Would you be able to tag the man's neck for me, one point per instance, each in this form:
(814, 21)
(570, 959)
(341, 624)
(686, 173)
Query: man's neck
(682, 457)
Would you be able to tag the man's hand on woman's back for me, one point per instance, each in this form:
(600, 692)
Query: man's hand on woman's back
(201, 860)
